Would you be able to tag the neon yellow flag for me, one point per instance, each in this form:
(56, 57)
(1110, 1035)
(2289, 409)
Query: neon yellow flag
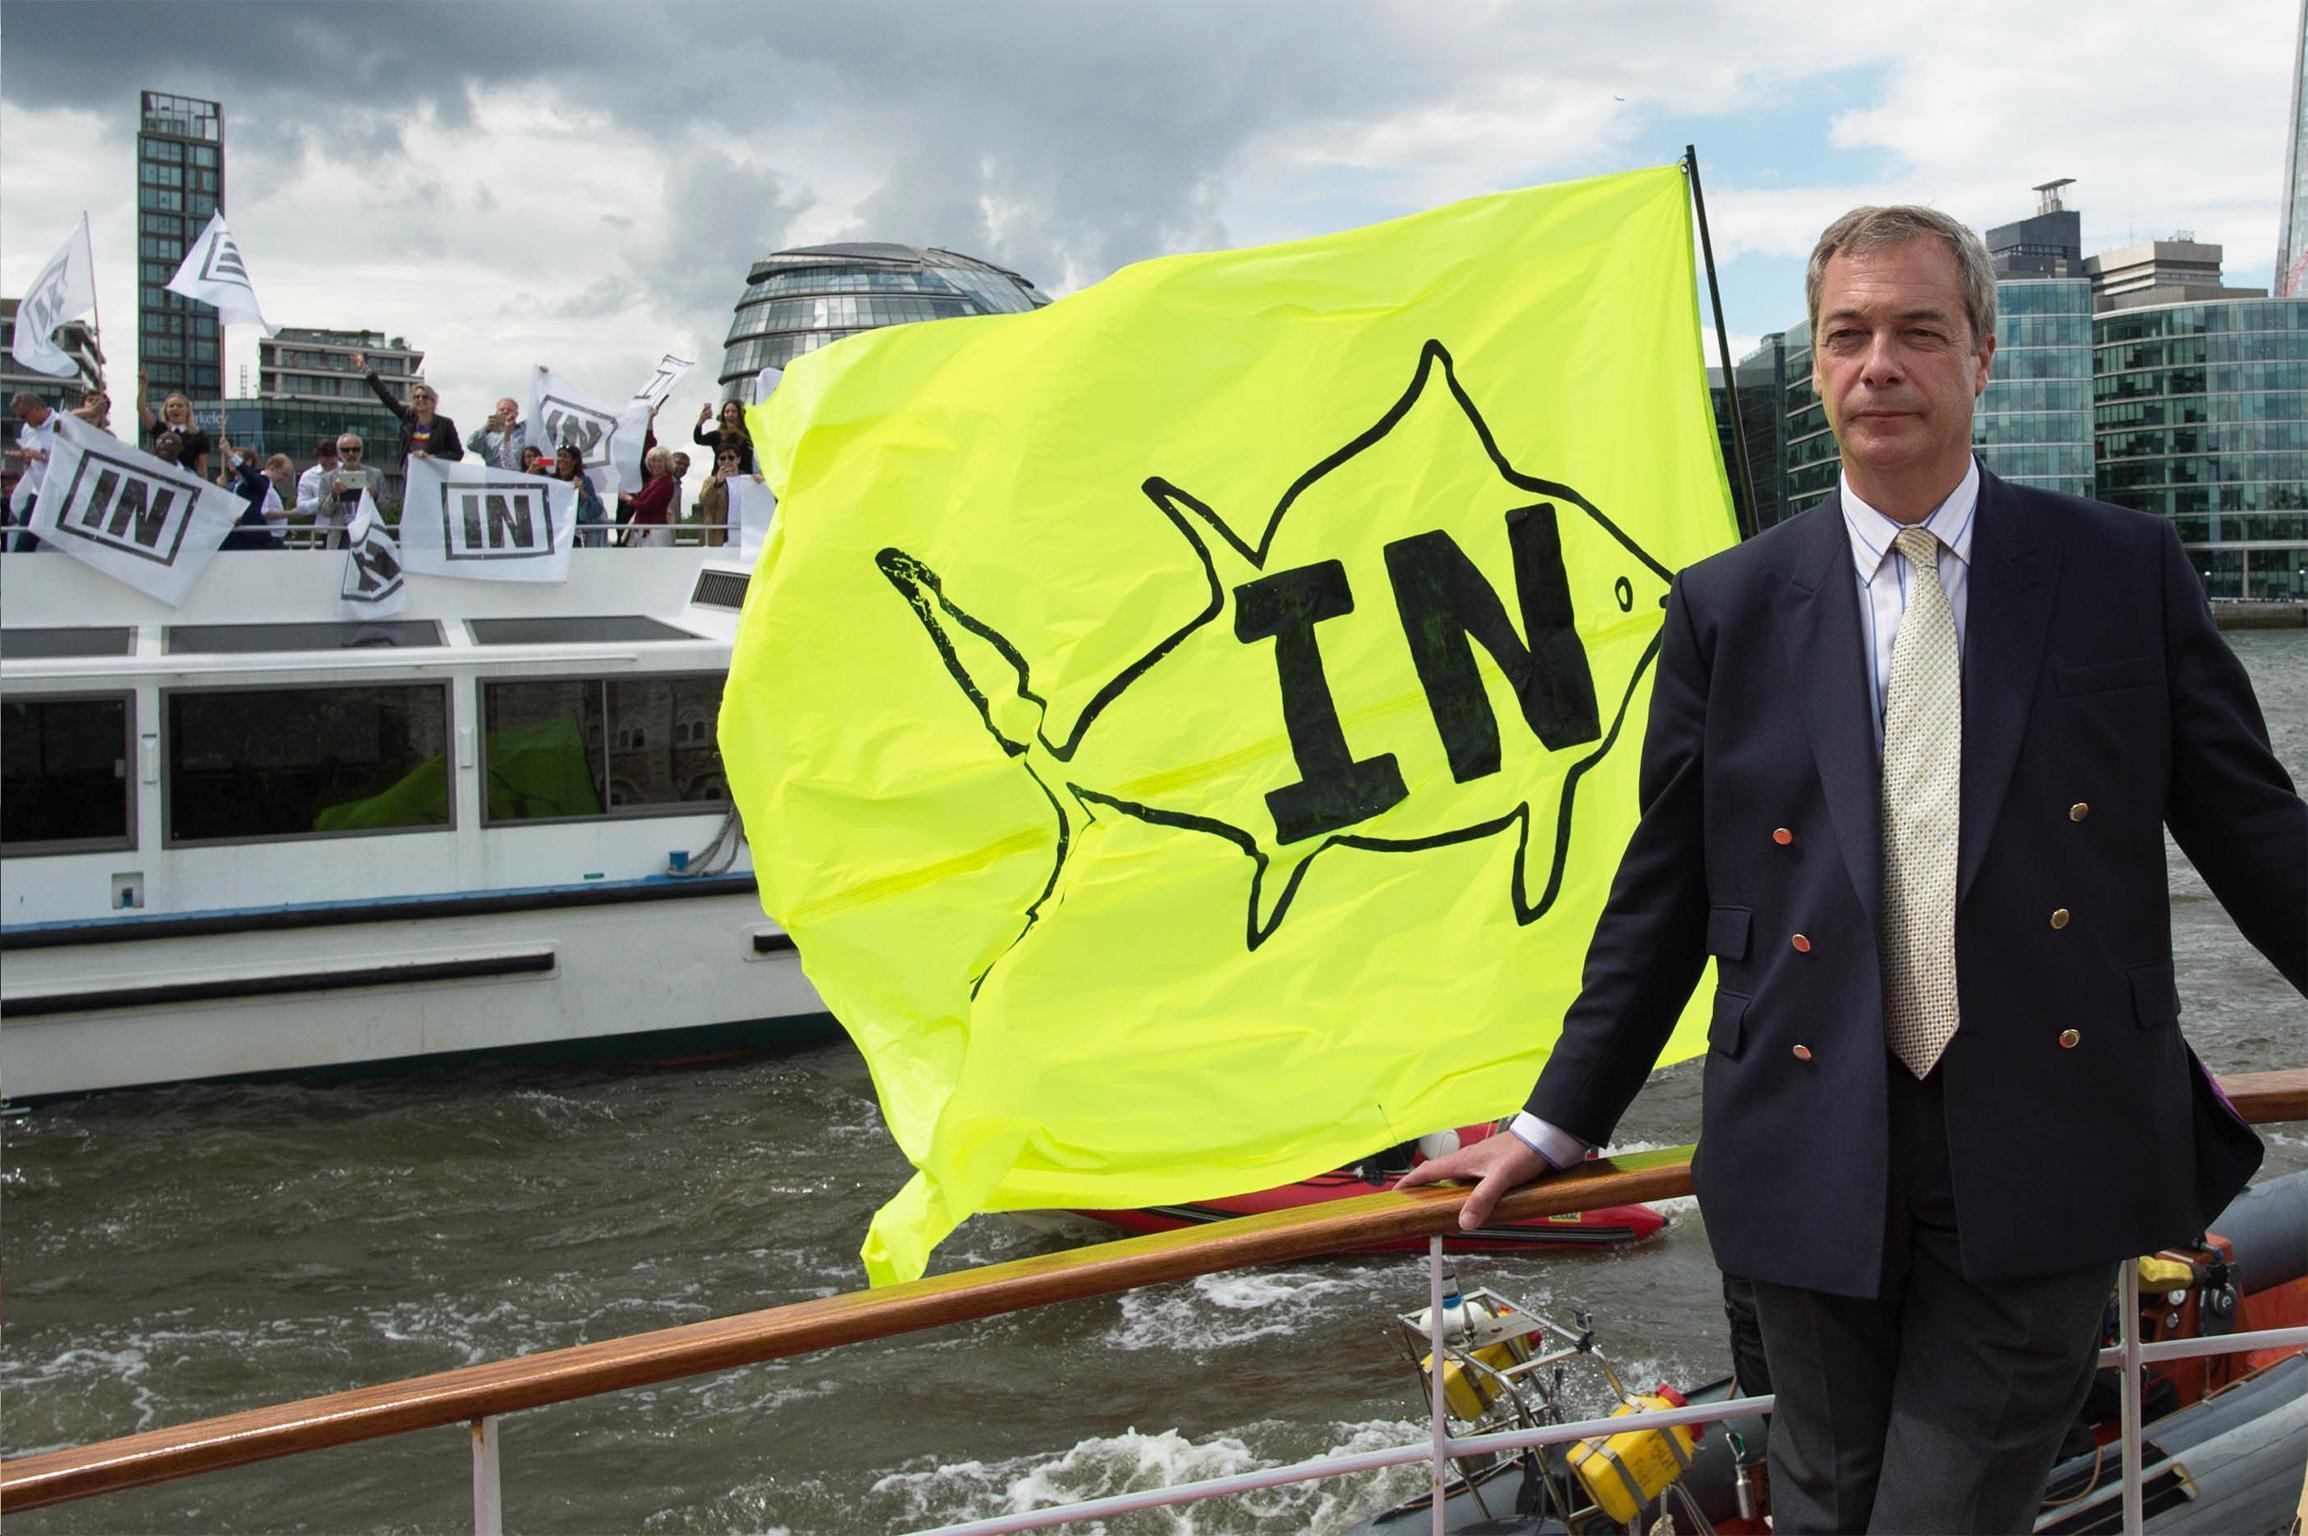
(1190, 729)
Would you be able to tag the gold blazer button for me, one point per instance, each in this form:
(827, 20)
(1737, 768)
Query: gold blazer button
(2069, 1039)
(2059, 917)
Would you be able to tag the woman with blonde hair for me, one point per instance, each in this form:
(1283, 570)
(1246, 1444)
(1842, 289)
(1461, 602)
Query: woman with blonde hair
(175, 416)
(425, 432)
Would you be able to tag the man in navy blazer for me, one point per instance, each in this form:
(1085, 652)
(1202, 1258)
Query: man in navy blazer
(1932, 1246)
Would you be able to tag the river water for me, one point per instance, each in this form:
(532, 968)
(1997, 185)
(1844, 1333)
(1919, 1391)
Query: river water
(179, 1253)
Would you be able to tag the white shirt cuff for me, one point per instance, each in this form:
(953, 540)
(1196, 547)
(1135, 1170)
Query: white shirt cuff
(1551, 1142)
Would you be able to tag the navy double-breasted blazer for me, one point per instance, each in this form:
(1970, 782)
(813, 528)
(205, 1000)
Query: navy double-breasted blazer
(2099, 706)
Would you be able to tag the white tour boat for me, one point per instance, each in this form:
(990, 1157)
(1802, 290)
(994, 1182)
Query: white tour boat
(249, 835)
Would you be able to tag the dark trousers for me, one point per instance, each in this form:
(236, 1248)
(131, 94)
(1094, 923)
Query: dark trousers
(1939, 1404)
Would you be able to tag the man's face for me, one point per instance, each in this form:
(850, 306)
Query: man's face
(25, 411)
(348, 454)
(507, 411)
(680, 465)
(1896, 365)
(168, 447)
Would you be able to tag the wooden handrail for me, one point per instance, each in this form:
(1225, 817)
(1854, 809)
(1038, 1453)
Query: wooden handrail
(586, 1370)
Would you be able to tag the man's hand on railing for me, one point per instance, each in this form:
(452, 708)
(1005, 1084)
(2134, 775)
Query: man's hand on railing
(1493, 1165)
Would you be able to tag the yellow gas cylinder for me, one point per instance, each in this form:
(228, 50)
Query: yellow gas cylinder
(1469, 1393)
(1625, 1471)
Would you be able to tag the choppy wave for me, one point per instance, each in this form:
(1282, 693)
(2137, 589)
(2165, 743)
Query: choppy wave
(1102, 1466)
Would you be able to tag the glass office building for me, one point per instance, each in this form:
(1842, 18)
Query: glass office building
(2033, 426)
(1813, 465)
(2292, 238)
(2201, 412)
(179, 183)
(797, 301)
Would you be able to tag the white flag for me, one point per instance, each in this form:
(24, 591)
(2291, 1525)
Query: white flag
(671, 371)
(472, 520)
(66, 287)
(214, 274)
(632, 434)
(765, 383)
(132, 516)
(374, 586)
(752, 506)
(560, 412)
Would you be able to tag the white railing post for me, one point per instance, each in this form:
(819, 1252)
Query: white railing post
(2128, 1318)
(1434, 1318)
(488, 1492)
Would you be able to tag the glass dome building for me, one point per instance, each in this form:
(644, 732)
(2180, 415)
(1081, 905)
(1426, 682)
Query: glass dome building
(797, 301)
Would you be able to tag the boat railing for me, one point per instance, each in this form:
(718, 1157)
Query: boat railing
(685, 533)
(478, 1396)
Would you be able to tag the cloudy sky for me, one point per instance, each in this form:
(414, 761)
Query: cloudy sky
(508, 182)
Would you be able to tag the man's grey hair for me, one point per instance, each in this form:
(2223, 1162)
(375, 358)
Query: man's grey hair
(24, 398)
(1863, 231)
(350, 437)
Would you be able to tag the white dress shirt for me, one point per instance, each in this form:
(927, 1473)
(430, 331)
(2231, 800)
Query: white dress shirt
(1884, 576)
(309, 492)
(40, 440)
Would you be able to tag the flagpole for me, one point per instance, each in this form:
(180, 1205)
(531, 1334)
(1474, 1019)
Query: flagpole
(96, 313)
(1743, 498)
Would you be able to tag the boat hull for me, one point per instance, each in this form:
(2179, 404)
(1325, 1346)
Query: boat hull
(579, 971)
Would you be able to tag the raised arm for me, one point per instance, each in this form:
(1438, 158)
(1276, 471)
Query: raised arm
(401, 413)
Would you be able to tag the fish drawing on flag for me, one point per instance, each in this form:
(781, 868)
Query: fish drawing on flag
(1278, 582)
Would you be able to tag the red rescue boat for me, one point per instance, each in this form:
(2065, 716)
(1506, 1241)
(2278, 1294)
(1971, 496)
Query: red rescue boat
(1602, 1227)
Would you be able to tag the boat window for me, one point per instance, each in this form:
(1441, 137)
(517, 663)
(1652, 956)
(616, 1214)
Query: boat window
(65, 785)
(256, 763)
(40, 644)
(568, 747)
(589, 630)
(328, 635)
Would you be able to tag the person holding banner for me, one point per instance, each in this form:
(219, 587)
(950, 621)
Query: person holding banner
(95, 408)
(175, 416)
(650, 526)
(35, 438)
(424, 430)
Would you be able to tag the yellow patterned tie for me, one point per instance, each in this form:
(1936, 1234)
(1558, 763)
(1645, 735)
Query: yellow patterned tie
(1922, 756)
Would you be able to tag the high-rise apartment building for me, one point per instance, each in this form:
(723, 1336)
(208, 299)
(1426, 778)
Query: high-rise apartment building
(2292, 240)
(2180, 270)
(2049, 243)
(77, 338)
(308, 389)
(179, 183)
